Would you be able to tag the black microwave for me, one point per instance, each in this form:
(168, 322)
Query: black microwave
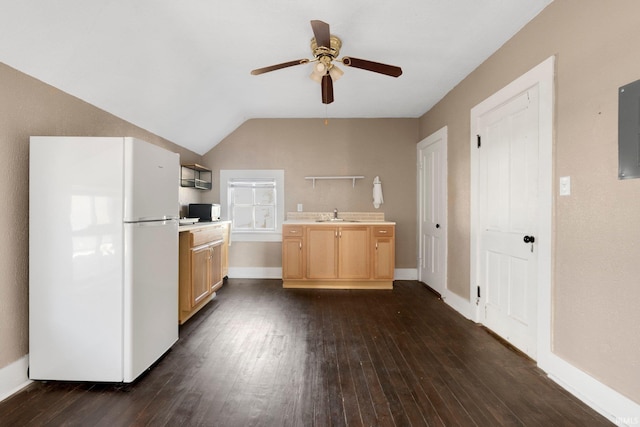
(204, 211)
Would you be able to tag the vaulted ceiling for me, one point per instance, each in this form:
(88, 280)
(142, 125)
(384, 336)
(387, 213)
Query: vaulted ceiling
(181, 69)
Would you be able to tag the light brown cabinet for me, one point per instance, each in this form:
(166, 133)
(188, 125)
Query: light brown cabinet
(292, 252)
(200, 283)
(322, 252)
(383, 252)
(353, 252)
(202, 267)
(349, 256)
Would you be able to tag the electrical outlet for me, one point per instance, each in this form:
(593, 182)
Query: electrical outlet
(299, 207)
(565, 185)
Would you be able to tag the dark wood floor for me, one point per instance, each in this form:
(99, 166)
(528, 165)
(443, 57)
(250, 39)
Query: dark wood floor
(260, 355)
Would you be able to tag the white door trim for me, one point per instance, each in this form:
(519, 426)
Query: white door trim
(542, 76)
(439, 135)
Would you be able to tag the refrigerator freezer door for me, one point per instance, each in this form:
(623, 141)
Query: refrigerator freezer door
(75, 259)
(151, 181)
(151, 293)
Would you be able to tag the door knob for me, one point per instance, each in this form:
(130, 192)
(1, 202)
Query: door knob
(529, 239)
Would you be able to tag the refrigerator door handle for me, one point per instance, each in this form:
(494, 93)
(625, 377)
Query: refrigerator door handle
(152, 219)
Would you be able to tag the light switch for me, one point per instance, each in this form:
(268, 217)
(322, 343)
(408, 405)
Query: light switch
(565, 185)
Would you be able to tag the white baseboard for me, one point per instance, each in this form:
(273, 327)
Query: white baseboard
(13, 377)
(255, 272)
(458, 303)
(609, 403)
(405, 274)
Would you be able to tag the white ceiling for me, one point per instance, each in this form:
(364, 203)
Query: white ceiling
(180, 69)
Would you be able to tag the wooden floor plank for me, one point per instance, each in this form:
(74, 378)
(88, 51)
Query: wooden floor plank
(261, 355)
(373, 408)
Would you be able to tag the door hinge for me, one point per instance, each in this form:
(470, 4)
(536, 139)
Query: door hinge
(479, 140)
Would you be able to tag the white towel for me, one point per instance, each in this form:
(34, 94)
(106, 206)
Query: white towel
(377, 193)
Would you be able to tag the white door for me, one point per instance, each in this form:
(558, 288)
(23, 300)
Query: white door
(432, 210)
(508, 219)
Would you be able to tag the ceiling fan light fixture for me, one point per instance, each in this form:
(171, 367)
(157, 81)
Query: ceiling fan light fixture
(319, 70)
(335, 73)
(315, 76)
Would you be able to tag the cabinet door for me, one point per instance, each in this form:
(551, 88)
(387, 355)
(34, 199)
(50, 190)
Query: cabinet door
(200, 282)
(215, 264)
(383, 258)
(322, 251)
(354, 253)
(292, 258)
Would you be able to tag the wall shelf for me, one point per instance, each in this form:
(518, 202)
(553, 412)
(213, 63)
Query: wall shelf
(195, 176)
(351, 177)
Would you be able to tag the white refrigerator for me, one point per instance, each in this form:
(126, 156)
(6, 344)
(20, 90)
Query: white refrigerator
(103, 257)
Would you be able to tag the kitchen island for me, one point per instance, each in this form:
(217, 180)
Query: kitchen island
(338, 254)
(203, 266)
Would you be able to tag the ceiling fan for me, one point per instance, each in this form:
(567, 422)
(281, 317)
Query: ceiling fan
(325, 49)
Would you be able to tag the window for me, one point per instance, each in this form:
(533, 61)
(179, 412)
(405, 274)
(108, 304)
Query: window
(252, 204)
(253, 200)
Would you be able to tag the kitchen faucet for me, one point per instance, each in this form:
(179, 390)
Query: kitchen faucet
(335, 213)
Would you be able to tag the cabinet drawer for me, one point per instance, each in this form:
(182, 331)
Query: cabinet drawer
(292, 231)
(383, 230)
(206, 235)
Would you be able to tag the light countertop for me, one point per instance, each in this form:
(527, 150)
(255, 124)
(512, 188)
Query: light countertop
(346, 222)
(200, 225)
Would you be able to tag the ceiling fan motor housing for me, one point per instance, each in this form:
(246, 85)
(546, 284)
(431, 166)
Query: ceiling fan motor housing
(331, 51)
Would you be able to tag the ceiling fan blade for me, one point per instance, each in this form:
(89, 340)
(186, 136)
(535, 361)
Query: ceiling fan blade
(321, 33)
(376, 67)
(327, 89)
(279, 66)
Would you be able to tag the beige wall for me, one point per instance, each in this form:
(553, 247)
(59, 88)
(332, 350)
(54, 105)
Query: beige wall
(308, 147)
(30, 107)
(596, 320)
